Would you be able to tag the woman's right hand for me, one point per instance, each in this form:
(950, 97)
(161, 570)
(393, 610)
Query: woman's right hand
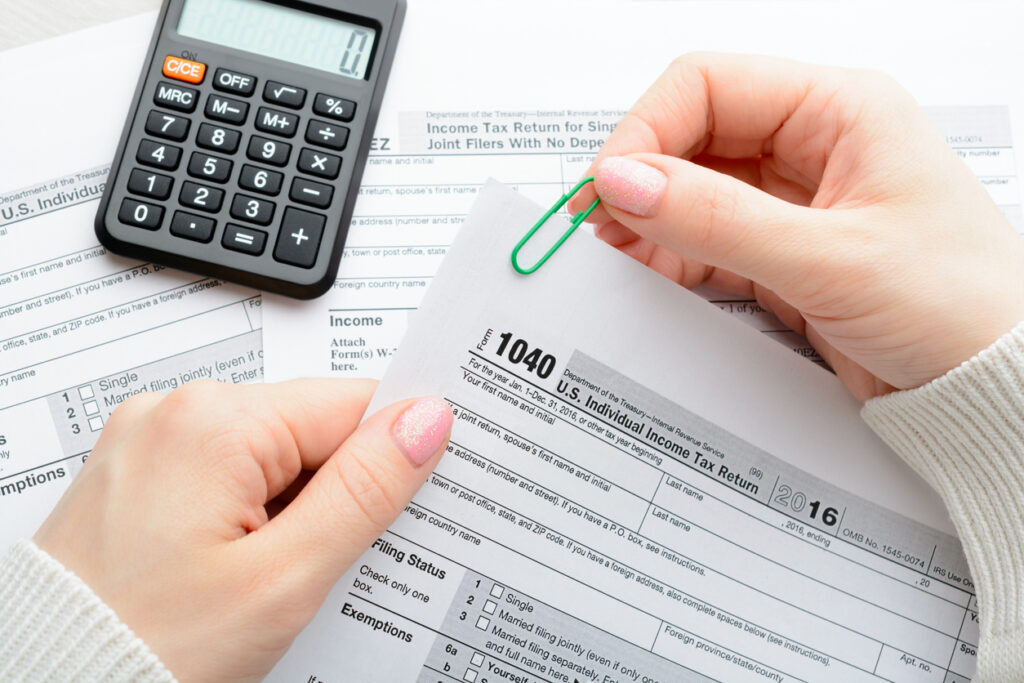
(825, 194)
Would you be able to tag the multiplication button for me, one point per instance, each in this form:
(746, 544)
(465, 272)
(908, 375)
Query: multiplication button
(319, 163)
(246, 240)
(140, 214)
(308, 192)
(192, 227)
(298, 240)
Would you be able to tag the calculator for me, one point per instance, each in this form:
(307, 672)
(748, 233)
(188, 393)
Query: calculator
(247, 137)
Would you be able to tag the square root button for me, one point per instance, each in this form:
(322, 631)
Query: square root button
(298, 240)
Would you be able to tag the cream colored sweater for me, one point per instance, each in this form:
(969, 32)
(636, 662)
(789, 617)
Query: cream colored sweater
(964, 433)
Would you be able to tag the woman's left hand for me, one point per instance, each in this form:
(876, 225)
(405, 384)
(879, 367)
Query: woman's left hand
(171, 523)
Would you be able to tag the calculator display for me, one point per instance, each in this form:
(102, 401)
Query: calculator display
(282, 33)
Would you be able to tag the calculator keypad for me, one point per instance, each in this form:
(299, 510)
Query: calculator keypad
(215, 148)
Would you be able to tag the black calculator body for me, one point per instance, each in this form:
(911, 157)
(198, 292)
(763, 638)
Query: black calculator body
(247, 138)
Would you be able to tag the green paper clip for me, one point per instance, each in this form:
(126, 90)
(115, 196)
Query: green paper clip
(576, 221)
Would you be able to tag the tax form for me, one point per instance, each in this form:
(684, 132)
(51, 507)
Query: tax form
(82, 330)
(638, 488)
(538, 133)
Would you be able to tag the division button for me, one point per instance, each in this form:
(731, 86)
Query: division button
(308, 192)
(272, 121)
(260, 180)
(192, 227)
(334, 107)
(175, 97)
(285, 95)
(245, 240)
(184, 69)
(232, 81)
(298, 240)
(150, 184)
(158, 154)
(218, 138)
(168, 126)
(226, 109)
(250, 209)
(327, 134)
(201, 197)
(271, 151)
(140, 214)
(319, 163)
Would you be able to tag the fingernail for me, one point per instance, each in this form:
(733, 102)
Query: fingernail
(630, 185)
(422, 428)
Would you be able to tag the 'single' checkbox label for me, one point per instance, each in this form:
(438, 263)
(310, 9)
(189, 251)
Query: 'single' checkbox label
(482, 623)
(490, 606)
(497, 591)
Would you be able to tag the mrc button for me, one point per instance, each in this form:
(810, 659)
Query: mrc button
(175, 97)
(183, 69)
(232, 81)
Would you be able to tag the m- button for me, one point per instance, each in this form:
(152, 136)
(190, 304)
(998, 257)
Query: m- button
(183, 69)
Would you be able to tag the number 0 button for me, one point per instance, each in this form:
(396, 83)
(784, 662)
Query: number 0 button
(250, 209)
(140, 214)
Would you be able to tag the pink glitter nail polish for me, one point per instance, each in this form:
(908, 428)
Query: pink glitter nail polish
(422, 428)
(630, 185)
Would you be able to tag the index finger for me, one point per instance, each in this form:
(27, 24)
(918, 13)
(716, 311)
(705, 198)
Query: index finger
(725, 105)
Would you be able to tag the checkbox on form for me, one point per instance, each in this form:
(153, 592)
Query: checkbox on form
(482, 623)
(86, 392)
(470, 675)
(477, 659)
(490, 606)
(497, 591)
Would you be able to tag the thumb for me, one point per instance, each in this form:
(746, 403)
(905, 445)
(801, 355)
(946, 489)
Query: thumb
(713, 218)
(359, 491)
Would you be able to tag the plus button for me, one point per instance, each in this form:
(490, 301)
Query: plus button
(300, 237)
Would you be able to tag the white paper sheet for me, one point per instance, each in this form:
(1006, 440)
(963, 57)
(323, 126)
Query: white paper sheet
(80, 329)
(677, 500)
(534, 115)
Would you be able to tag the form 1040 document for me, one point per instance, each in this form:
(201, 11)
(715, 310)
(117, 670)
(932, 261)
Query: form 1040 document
(619, 507)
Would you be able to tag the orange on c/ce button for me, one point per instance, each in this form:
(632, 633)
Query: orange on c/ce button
(184, 69)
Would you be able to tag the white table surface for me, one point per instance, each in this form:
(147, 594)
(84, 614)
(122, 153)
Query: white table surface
(26, 21)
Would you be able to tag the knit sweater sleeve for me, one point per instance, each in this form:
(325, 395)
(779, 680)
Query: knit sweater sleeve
(964, 433)
(54, 628)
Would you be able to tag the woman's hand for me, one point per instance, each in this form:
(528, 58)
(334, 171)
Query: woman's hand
(168, 521)
(826, 195)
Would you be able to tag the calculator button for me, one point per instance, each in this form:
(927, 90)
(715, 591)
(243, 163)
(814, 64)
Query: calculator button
(184, 69)
(327, 134)
(192, 227)
(153, 153)
(250, 209)
(226, 109)
(334, 107)
(140, 214)
(150, 184)
(176, 97)
(164, 125)
(285, 95)
(319, 163)
(271, 121)
(245, 240)
(271, 151)
(298, 240)
(232, 81)
(307, 192)
(210, 168)
(215, 137)
(260, 180)
(201, 197)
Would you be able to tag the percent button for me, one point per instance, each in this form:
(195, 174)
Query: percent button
(334, 107)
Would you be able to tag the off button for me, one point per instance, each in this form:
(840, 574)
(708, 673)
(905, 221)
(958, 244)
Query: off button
(182, 69)
(232, 81)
